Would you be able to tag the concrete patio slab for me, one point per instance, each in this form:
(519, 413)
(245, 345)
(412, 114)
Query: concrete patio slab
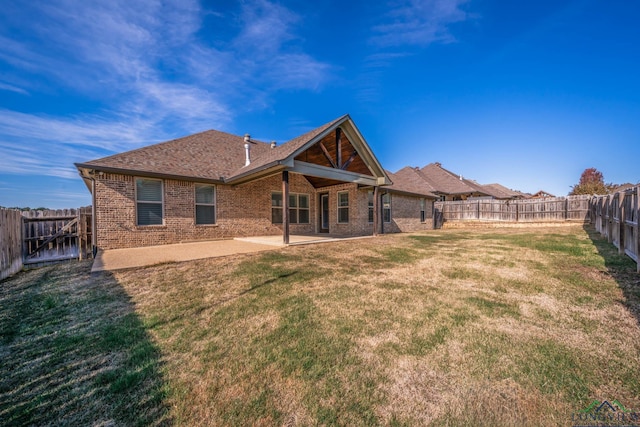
(116, 259)
(296, 239)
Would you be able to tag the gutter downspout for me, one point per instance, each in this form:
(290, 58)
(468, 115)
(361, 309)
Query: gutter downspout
(94, 221)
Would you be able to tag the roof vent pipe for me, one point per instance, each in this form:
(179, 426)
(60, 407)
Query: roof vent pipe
(247, 150)
(273, 144)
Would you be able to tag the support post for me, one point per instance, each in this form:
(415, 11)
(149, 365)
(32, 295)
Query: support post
(376, 210)
(339, 148)
(285, 207)
(621, 197)
(609, 219)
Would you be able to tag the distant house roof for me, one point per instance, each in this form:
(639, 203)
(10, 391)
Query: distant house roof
(408, 180)
(541, 194)
(501, 192)
(214, 156)
(447, 182)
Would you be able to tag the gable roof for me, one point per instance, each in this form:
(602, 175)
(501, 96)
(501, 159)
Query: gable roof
(214, 156)
(445, 181)
(209, 155)
(409, 180)
(501, 192)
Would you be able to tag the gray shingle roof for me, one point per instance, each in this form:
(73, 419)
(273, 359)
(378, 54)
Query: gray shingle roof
(210, 155)
(409, 180)
(445, 181)
(501, 192)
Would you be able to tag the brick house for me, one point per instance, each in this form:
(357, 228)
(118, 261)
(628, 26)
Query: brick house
(213, 185)
(449, 186)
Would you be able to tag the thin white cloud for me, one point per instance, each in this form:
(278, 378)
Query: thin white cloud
(419, 22)
(265, 53)
(266, 27)
(11, 88)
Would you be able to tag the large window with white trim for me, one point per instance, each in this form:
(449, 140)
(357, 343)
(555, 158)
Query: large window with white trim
(298, 208)
(149, 201)
(205, 204)
(343, 207)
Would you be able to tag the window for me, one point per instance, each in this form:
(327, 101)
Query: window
(370, 202)
(298, 208)
(343, 207)
(423, 215)
(205, 204)
(386, 207)
(149, 209)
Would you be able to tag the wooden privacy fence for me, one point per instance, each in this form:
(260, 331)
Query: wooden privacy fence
(616, 217)
(56, 235)
(35, 238)
(571, 208)
(10, 242)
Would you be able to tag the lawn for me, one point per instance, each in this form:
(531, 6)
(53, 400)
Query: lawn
(449, 327)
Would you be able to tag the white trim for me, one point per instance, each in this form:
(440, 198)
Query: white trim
(135, 190)
(297, 207)
(342, 207)
(390, 208)
(195, 204)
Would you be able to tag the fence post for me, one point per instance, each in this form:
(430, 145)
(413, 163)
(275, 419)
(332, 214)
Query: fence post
(636, 242)
(621, 197)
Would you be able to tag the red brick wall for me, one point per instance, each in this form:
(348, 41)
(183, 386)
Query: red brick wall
(405, 215)
(243, 210)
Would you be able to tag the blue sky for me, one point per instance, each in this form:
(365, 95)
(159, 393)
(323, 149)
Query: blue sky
(527, 94)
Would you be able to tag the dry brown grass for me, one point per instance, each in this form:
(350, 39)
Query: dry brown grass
(482, 327)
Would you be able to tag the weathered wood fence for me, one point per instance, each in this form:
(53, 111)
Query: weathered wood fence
(616, 217)
(56, 235)
(34, 238)
(571, 208)
(10, 242)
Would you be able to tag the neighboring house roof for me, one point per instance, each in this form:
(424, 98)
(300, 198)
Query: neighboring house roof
(214, 156)
(447, 182)
(622, 187)
(501, 192)
(408, 180)
(541, 194)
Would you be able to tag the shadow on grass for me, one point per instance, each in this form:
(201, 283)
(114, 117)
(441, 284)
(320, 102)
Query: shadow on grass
(621, 268)
(73, 351)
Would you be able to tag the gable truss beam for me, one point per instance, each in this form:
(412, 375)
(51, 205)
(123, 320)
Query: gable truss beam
(349, 160)
(327, 155)
(339, 147)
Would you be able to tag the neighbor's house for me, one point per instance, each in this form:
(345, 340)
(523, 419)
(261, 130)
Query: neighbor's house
(449, 186)
(213, 185)
(541, 195)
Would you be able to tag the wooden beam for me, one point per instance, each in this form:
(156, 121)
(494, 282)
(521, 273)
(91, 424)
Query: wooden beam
(327, 155)
(330, 173)
(338, 146)
(349, 160)
(285, 207)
